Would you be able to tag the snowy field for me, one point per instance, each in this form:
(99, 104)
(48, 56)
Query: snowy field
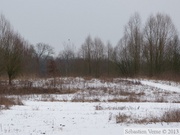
(93, 109)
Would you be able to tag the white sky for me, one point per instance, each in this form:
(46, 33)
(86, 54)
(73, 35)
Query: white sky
(56, 21)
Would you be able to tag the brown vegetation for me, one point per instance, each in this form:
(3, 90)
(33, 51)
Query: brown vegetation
(172, 115)
(5, 102)
(4, 90)
(128, 99)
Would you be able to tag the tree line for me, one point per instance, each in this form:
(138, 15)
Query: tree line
(149, 49)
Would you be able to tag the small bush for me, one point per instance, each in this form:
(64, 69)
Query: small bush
(168, 117)
(6, 103)
(122, 118)
(98, 107)
(160, 99)
(18, 101)
(171, 116)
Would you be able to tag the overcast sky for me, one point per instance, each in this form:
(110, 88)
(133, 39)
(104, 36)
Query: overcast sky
(56, 21)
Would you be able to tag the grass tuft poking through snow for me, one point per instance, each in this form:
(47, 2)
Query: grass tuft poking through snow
(6, 103)
(172, 115)
(169, 116)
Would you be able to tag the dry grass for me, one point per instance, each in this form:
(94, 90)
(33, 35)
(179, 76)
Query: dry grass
(99, 107)
(127, 93)
(85, 100)
(168, 77)
(122, 118)
(106, 79)
(12, 90)
(128, 82)
(160, 99)
(52, 99)
(123, 90)
(130, 98)
(81, 98)
(6, 103)
(172, 115)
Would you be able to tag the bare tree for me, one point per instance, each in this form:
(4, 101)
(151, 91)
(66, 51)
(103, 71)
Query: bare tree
(67, 56)
(109, 56)
(42, 53)
(86, 51)
(13, 57)
(29, 68)
(158, 32)
(52, 67)
(134, 37)
(4, 28)
(11, 46)
(176, 54)
(128, 50)
(122, 58)
(172, 53)
(98, 55)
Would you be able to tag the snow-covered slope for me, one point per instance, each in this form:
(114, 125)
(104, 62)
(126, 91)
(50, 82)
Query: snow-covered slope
(37, 117)
(161, 86)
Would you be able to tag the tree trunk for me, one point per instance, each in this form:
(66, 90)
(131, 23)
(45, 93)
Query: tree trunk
(10, 80)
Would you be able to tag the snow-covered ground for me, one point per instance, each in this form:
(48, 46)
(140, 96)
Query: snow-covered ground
(40, 116)
(66, 118)
(166, 87)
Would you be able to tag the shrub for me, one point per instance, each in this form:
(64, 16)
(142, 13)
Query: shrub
(171, 116)
(6, 103)
(121, 118)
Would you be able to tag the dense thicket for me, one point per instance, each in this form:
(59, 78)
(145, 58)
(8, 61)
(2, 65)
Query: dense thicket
(149, 49)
